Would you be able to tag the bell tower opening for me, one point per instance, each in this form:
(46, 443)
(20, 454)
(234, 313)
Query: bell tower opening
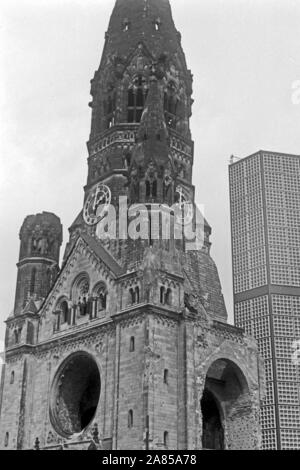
(137, 95)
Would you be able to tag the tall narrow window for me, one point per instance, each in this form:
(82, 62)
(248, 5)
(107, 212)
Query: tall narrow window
(162, 295)
(131, 344)
(131, 99)
(126, 25)
(171, 105)
(110, 108)
(12, 377)
(147, 335)
(99, 299)
(17, 334)
(154, 189)
(168, 297)
(151, 188)
(166, 376)
(137, 95)
(130, 419)
(132, 296)
(102, 301)
(64, 308)
(137, 294)
(127, 161)
(148, 189)
(6, 440)
(166, 438)
(25, 295)
(157, 24)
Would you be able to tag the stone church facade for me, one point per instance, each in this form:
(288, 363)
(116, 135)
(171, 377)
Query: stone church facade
(127, 345)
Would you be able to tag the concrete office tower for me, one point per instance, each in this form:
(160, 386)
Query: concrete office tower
(265, 222)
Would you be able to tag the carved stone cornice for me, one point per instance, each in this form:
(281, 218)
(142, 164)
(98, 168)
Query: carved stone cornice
(16, 320)
(228, 332)
(142, 310)
(70, 337)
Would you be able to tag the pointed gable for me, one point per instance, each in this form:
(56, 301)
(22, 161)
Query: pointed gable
(103, 255)
(30, 307)
(87, 254)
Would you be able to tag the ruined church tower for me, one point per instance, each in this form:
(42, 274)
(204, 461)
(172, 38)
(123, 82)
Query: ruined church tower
(126, 345)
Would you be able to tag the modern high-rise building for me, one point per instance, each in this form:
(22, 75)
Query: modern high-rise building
(265, 223)
(126, 345)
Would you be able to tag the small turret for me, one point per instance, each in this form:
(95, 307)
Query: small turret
(38, 266)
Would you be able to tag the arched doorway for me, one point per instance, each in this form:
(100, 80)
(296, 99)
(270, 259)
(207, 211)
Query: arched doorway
(225, 407)
(75, 394)
(212, 433)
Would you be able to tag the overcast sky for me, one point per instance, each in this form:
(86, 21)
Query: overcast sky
(245, 58)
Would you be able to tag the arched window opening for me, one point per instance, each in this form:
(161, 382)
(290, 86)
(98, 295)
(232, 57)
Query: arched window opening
(140, 98)
(126, 25)
(102, 301)
(154, 188)
(226, 389)
(170, 120)
(132, 296)
(137, 294)
(130, 98)
(130, 419)
(166, 376)
(157, 24)
(137, 95)
(151, 189)
(148, 189)
(30, 333)
(168, 297)
(83, 306)
(131, 344)
(6, 439)
(147, 335)
(100, 296)
(25, 295)
(110, 122)
(12, 377)
(127, 161)
(166, 438)
(17, 335)
(32, 281)
(110, 108)
(171, 105)
(64, 308)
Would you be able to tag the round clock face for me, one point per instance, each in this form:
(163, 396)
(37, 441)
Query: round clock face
(185, 204)
(97, 204)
